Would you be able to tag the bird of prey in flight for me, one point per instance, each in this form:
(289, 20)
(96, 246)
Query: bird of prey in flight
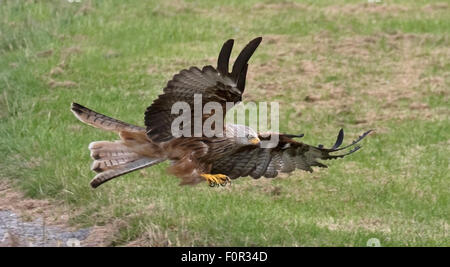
(195, 159)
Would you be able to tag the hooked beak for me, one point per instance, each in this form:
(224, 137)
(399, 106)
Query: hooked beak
(255, 141)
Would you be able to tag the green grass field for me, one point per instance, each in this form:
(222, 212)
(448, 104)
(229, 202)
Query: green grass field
(330, 64)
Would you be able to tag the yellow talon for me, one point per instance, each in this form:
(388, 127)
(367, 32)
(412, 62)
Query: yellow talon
(216, 179)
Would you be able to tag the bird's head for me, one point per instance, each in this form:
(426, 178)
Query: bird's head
(242, 134)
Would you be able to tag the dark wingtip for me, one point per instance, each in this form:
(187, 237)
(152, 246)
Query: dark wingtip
(224, 57)
(339, 139)
(241, 79)
(244, 57)
(257, 39)
(338, 143)
(229, 42)
(353, 150)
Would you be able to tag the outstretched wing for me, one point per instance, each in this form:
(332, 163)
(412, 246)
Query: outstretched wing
(214, 85)
(287, 156)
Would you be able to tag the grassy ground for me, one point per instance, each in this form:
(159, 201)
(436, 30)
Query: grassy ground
(331, 64)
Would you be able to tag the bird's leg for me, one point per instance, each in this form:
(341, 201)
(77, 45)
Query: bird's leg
(216, 179)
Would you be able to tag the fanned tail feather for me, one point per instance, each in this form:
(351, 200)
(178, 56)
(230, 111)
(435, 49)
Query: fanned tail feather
(123, 169)
(132, 152)
(113, 159)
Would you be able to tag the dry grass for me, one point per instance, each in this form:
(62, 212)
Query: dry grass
(343, 64)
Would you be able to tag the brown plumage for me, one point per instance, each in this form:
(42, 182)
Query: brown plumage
(133, 151)
(195, 159)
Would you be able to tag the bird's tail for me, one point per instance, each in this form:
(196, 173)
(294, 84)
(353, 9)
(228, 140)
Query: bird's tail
(101, 121)
(113, 159)
(132, 152)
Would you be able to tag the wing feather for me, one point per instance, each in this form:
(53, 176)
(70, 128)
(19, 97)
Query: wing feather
(213, 84)
(286, 157)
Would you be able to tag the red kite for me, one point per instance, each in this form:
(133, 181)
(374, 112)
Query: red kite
(195, 159)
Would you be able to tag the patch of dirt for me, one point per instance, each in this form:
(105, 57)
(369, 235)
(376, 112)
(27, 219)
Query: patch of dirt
(151, 69)
(436, 7)
(318, 70)
(56, 71)
(417, 105)
(85, 9)
(45, 53)
(101, 236)
(172, 8)
(64, 84)
(65, 55)
(282, 5)
(16, 202)
(275, 38)
(367, 8)
(69, 51)
(33, 222)
(153, 236)
(356, 47)
(312, 98)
